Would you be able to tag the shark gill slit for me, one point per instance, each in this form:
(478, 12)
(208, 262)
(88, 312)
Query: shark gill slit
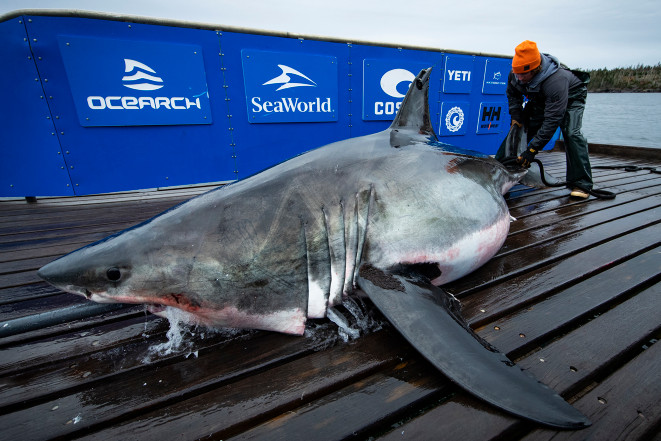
(334, 222)
(362, 227)
(318, 264)
(351, 242)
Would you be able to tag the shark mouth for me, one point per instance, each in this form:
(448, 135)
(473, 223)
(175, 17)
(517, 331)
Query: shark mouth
(289, 321)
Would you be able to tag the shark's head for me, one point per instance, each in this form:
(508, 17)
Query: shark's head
(167, 263)
(130, 267)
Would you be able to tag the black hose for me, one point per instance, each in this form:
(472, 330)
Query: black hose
(601, 194)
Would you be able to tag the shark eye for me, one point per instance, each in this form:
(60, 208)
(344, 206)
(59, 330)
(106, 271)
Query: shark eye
(113, 274)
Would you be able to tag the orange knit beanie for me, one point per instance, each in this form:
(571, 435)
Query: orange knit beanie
(526, 57)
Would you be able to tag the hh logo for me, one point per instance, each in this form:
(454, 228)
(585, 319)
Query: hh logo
(490, 118)
(491, 113)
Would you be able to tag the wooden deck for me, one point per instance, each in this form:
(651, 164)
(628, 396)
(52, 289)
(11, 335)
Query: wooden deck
(574, 296)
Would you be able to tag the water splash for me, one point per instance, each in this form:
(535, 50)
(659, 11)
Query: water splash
(186, 337)
(176, 341)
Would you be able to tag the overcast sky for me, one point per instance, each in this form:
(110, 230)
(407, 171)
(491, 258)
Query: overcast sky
(582, 33)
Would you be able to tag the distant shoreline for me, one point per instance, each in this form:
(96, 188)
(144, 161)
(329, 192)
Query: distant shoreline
(624, 91)
(634, 79)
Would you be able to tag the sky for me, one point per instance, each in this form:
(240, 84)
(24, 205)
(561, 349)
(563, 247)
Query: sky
(588, 34)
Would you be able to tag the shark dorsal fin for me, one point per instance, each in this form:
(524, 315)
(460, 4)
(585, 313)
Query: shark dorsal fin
(413, 114)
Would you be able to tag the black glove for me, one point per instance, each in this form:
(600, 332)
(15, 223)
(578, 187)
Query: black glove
(525, 159)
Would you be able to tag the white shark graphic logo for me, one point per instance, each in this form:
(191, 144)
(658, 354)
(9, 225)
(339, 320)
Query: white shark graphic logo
(141, 79)
(286, 80)
(391, 79)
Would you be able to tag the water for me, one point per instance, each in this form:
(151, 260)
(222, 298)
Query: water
(631, 119)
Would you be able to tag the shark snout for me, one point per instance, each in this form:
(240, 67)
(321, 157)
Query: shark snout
(55, 274)
(49, 272)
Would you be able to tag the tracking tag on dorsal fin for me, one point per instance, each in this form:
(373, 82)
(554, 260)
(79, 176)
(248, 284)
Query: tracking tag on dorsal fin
(413, 114)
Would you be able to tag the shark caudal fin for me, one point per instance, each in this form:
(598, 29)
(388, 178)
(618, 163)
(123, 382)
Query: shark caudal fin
(429, 319)
(413, 114)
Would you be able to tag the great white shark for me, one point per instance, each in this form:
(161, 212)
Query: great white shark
(395, 214)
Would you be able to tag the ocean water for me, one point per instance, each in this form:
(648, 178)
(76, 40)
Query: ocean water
(631, 119)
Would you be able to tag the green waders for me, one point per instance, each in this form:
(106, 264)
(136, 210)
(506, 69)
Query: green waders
(579, 172)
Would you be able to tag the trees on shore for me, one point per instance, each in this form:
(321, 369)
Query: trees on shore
(626, 79)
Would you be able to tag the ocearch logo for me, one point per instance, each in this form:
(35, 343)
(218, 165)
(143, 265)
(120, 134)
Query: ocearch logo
(390, 82)
(290, 78)
(454, 119)
(141, 78)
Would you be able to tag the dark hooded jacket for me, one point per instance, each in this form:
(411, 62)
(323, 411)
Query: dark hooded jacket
(548, 94)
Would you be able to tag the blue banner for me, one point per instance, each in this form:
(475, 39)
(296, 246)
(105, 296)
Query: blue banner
(458, 74)
(385, 83)
(454, 118)
(290, 87)
(135, 83)
(495, 76)
(491, 117)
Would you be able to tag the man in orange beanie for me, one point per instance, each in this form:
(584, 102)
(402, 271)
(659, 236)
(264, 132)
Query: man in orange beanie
(556, 98)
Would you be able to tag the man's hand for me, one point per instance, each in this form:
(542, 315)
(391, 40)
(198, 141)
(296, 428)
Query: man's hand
(526, 157)
(517, 123)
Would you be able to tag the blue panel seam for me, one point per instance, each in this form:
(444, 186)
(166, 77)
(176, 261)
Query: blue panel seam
(45, 97)
(227, 105)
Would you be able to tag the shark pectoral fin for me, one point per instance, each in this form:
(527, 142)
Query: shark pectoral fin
(429, 319)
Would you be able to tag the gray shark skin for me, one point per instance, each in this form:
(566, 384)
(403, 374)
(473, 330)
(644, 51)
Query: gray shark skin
(516, 143)
(396, 214)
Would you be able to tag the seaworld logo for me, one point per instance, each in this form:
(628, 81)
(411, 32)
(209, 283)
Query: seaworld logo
(289, 86)
(290, 78)
(285, 105)
(286, 80)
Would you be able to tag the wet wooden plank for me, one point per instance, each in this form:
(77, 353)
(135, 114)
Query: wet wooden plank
(534, 324)
(566, 365)
(207, 394)
(353, 411)
(555, 263)
(538, 218)
(27, 292)
(625, 406)
(522, 290)
(571, 220)
(31, 354)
